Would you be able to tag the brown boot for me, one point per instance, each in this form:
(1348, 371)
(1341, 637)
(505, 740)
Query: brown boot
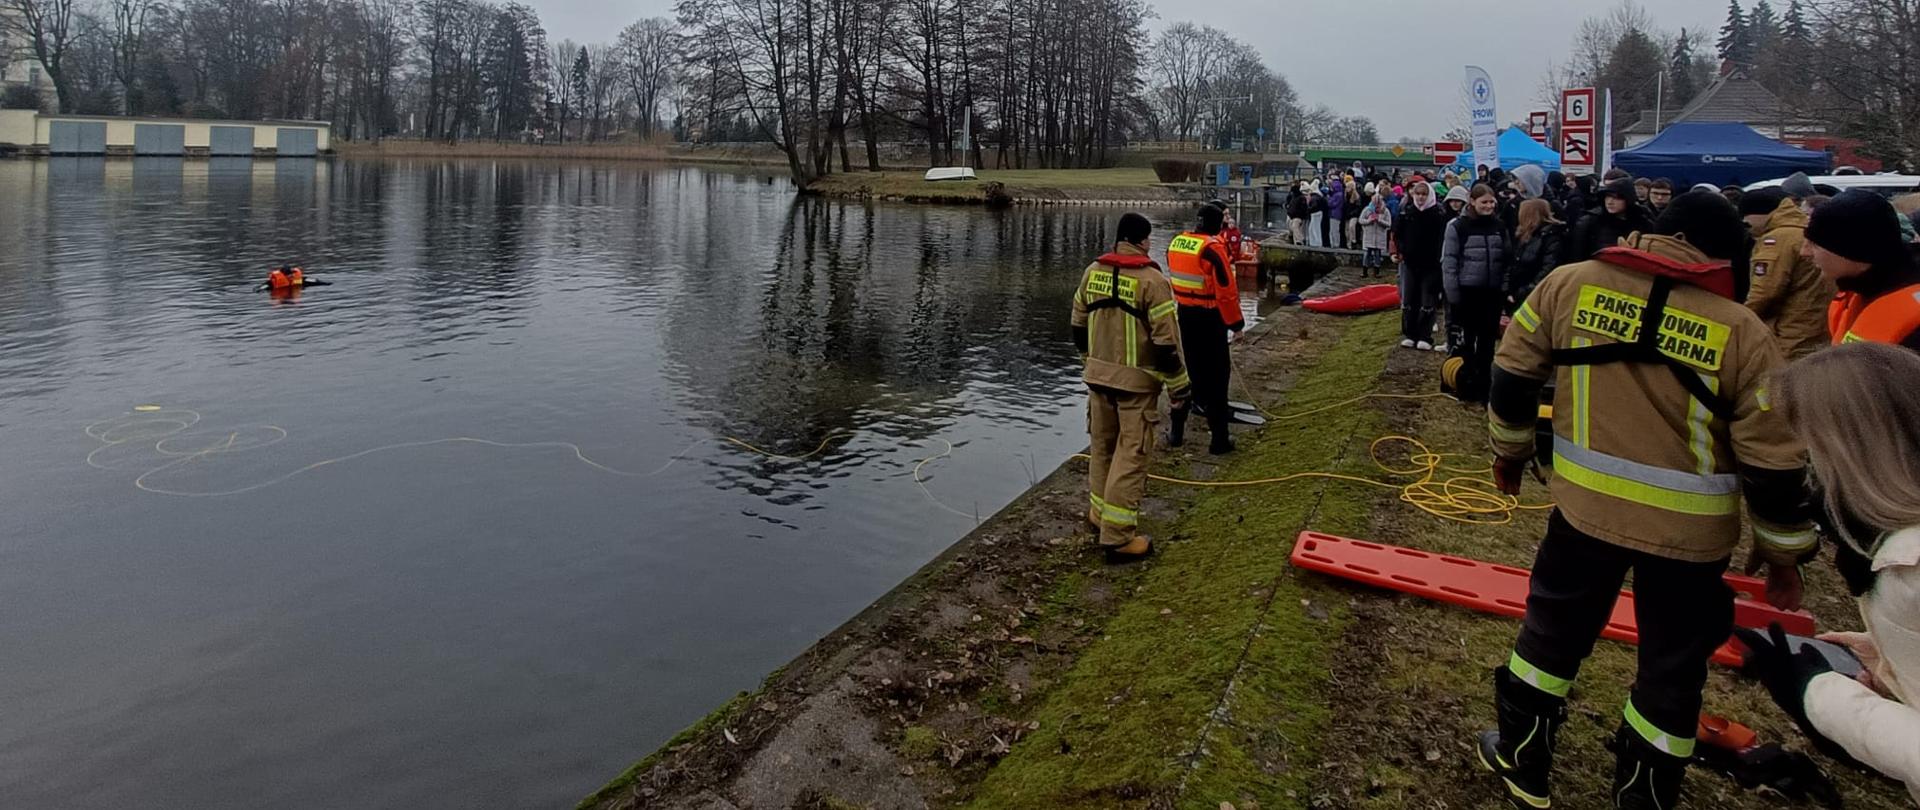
(1139, 548)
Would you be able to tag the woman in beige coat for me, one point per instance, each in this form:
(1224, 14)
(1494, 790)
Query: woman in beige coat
(1858, 408)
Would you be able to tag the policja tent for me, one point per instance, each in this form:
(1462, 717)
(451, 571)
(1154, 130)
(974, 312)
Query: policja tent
(1721, 154)
(1517, 149)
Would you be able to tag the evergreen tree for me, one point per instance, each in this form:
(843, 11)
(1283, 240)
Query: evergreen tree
(1681, 85)
(1763, 31)
(577, 83)
(1735, 45)
(1795, 32)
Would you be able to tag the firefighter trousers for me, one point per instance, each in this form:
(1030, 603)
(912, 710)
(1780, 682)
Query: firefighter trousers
(1684, 611)
(1120, 425)
(1203, 342)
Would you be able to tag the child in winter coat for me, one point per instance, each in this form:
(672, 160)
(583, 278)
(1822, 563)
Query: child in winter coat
(1375, 222)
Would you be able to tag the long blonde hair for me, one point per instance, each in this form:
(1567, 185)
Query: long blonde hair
(1857, 407)
(1533, 214)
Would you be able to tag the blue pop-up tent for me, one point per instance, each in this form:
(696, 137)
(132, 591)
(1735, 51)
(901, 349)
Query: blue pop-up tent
(1517, 149)
(1721, 154)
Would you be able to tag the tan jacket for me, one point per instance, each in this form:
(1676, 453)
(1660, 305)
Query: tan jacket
(1788, 292)
(1881, 731)
(1129, 350)
(1637, 460)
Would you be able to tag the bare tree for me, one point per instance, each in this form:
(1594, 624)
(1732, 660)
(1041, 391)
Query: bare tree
(47, 27)
(647, 51)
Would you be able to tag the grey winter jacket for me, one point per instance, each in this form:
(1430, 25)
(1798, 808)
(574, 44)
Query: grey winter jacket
(1477, 255)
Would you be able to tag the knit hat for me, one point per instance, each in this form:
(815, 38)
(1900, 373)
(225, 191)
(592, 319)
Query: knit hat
(1761, 201)
(1858, 225)
(1459, 193)
(1798, 186)
(1707, 221)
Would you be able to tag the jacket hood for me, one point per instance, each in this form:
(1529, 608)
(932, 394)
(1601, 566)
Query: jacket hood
(1125, 255)
(1459, 193)
(1673, 258)
(1533, 180)
(1622, 188)
(1786, 215)
(1432, 198)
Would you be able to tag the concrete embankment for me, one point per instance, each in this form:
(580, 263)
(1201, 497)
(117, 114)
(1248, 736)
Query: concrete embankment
(1018, 670)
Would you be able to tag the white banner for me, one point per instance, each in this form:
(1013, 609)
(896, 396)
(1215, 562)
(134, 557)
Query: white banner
(1606, 136)
(1486, 125)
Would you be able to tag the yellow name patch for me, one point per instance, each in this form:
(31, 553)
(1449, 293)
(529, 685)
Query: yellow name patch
(1186, 244)
(1684, 336)
(1101, 284)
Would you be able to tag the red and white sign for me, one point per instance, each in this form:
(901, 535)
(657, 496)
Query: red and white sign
(1576, 150)
(1446, 152)
(1537, 126)
(1576, 107)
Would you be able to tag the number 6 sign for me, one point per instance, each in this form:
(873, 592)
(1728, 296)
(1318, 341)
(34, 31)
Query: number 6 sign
(1576, 107)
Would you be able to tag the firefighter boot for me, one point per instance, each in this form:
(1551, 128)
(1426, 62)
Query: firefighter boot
(1521, 751)
(1644, 777)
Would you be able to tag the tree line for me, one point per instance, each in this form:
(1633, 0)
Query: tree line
(1850, 66)
(1036, 83)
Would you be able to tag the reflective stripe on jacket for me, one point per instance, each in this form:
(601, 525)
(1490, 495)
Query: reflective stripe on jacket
(1638, 460)
(1123, 341)
(1201, 271)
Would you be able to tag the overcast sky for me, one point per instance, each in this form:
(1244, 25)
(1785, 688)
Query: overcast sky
(1398, 62)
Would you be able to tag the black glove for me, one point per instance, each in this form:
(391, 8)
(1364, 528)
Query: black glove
(1506, 474)
(1786, 674)
(1790, 773)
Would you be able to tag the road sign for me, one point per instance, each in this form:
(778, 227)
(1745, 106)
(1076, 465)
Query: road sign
(1399, 150)
(1576, 149)
(1576, 107)
(1446, 152)
(1537, 126)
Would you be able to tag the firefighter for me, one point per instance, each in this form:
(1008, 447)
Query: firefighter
(1662, 421)
(1201, 270)
(1125, 326)
(1855, 240)
(1788, 293)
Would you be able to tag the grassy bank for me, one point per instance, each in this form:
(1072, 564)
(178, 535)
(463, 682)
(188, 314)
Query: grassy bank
(1018, 671)
(625, 151)
(1017, 185)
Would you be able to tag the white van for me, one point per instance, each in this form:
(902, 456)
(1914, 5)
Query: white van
(1885, 185)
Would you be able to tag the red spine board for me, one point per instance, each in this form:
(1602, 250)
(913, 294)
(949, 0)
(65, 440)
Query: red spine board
(1502, 590)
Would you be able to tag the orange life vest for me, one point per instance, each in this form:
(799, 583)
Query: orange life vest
(1891, 318)
(1194, 281)
(281, 280)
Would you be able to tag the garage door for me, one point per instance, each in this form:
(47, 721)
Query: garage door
(77, 137)
(299, 142)
(230, 142)
(159, 139)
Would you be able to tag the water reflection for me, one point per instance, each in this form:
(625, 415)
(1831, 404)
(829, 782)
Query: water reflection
(472, 624)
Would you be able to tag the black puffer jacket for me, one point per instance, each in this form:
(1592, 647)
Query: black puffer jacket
(1599, 229)
(1535, 258)
(1420, 235)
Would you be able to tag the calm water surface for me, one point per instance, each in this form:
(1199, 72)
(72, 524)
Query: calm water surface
(285, 588)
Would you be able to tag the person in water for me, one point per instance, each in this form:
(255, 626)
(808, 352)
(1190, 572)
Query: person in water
(290, 278)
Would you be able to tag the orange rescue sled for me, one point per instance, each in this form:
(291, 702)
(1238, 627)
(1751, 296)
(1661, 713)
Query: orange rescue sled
(1502, 590)
(1359, 301)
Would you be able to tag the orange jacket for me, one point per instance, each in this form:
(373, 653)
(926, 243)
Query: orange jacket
(1201, 269)
(281, 280)
(1892, 318)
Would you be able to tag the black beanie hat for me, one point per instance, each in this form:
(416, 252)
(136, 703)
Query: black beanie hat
(1708, 222)
(1763, 201)
(1211, 218)
(1134, 228)
(1858, 225)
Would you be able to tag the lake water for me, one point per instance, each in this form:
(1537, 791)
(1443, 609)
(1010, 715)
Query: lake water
(476, 525)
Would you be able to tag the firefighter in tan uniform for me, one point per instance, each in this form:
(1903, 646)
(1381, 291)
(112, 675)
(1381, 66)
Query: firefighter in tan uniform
(1787, 291)
(1125, 325)
(1661, 424)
